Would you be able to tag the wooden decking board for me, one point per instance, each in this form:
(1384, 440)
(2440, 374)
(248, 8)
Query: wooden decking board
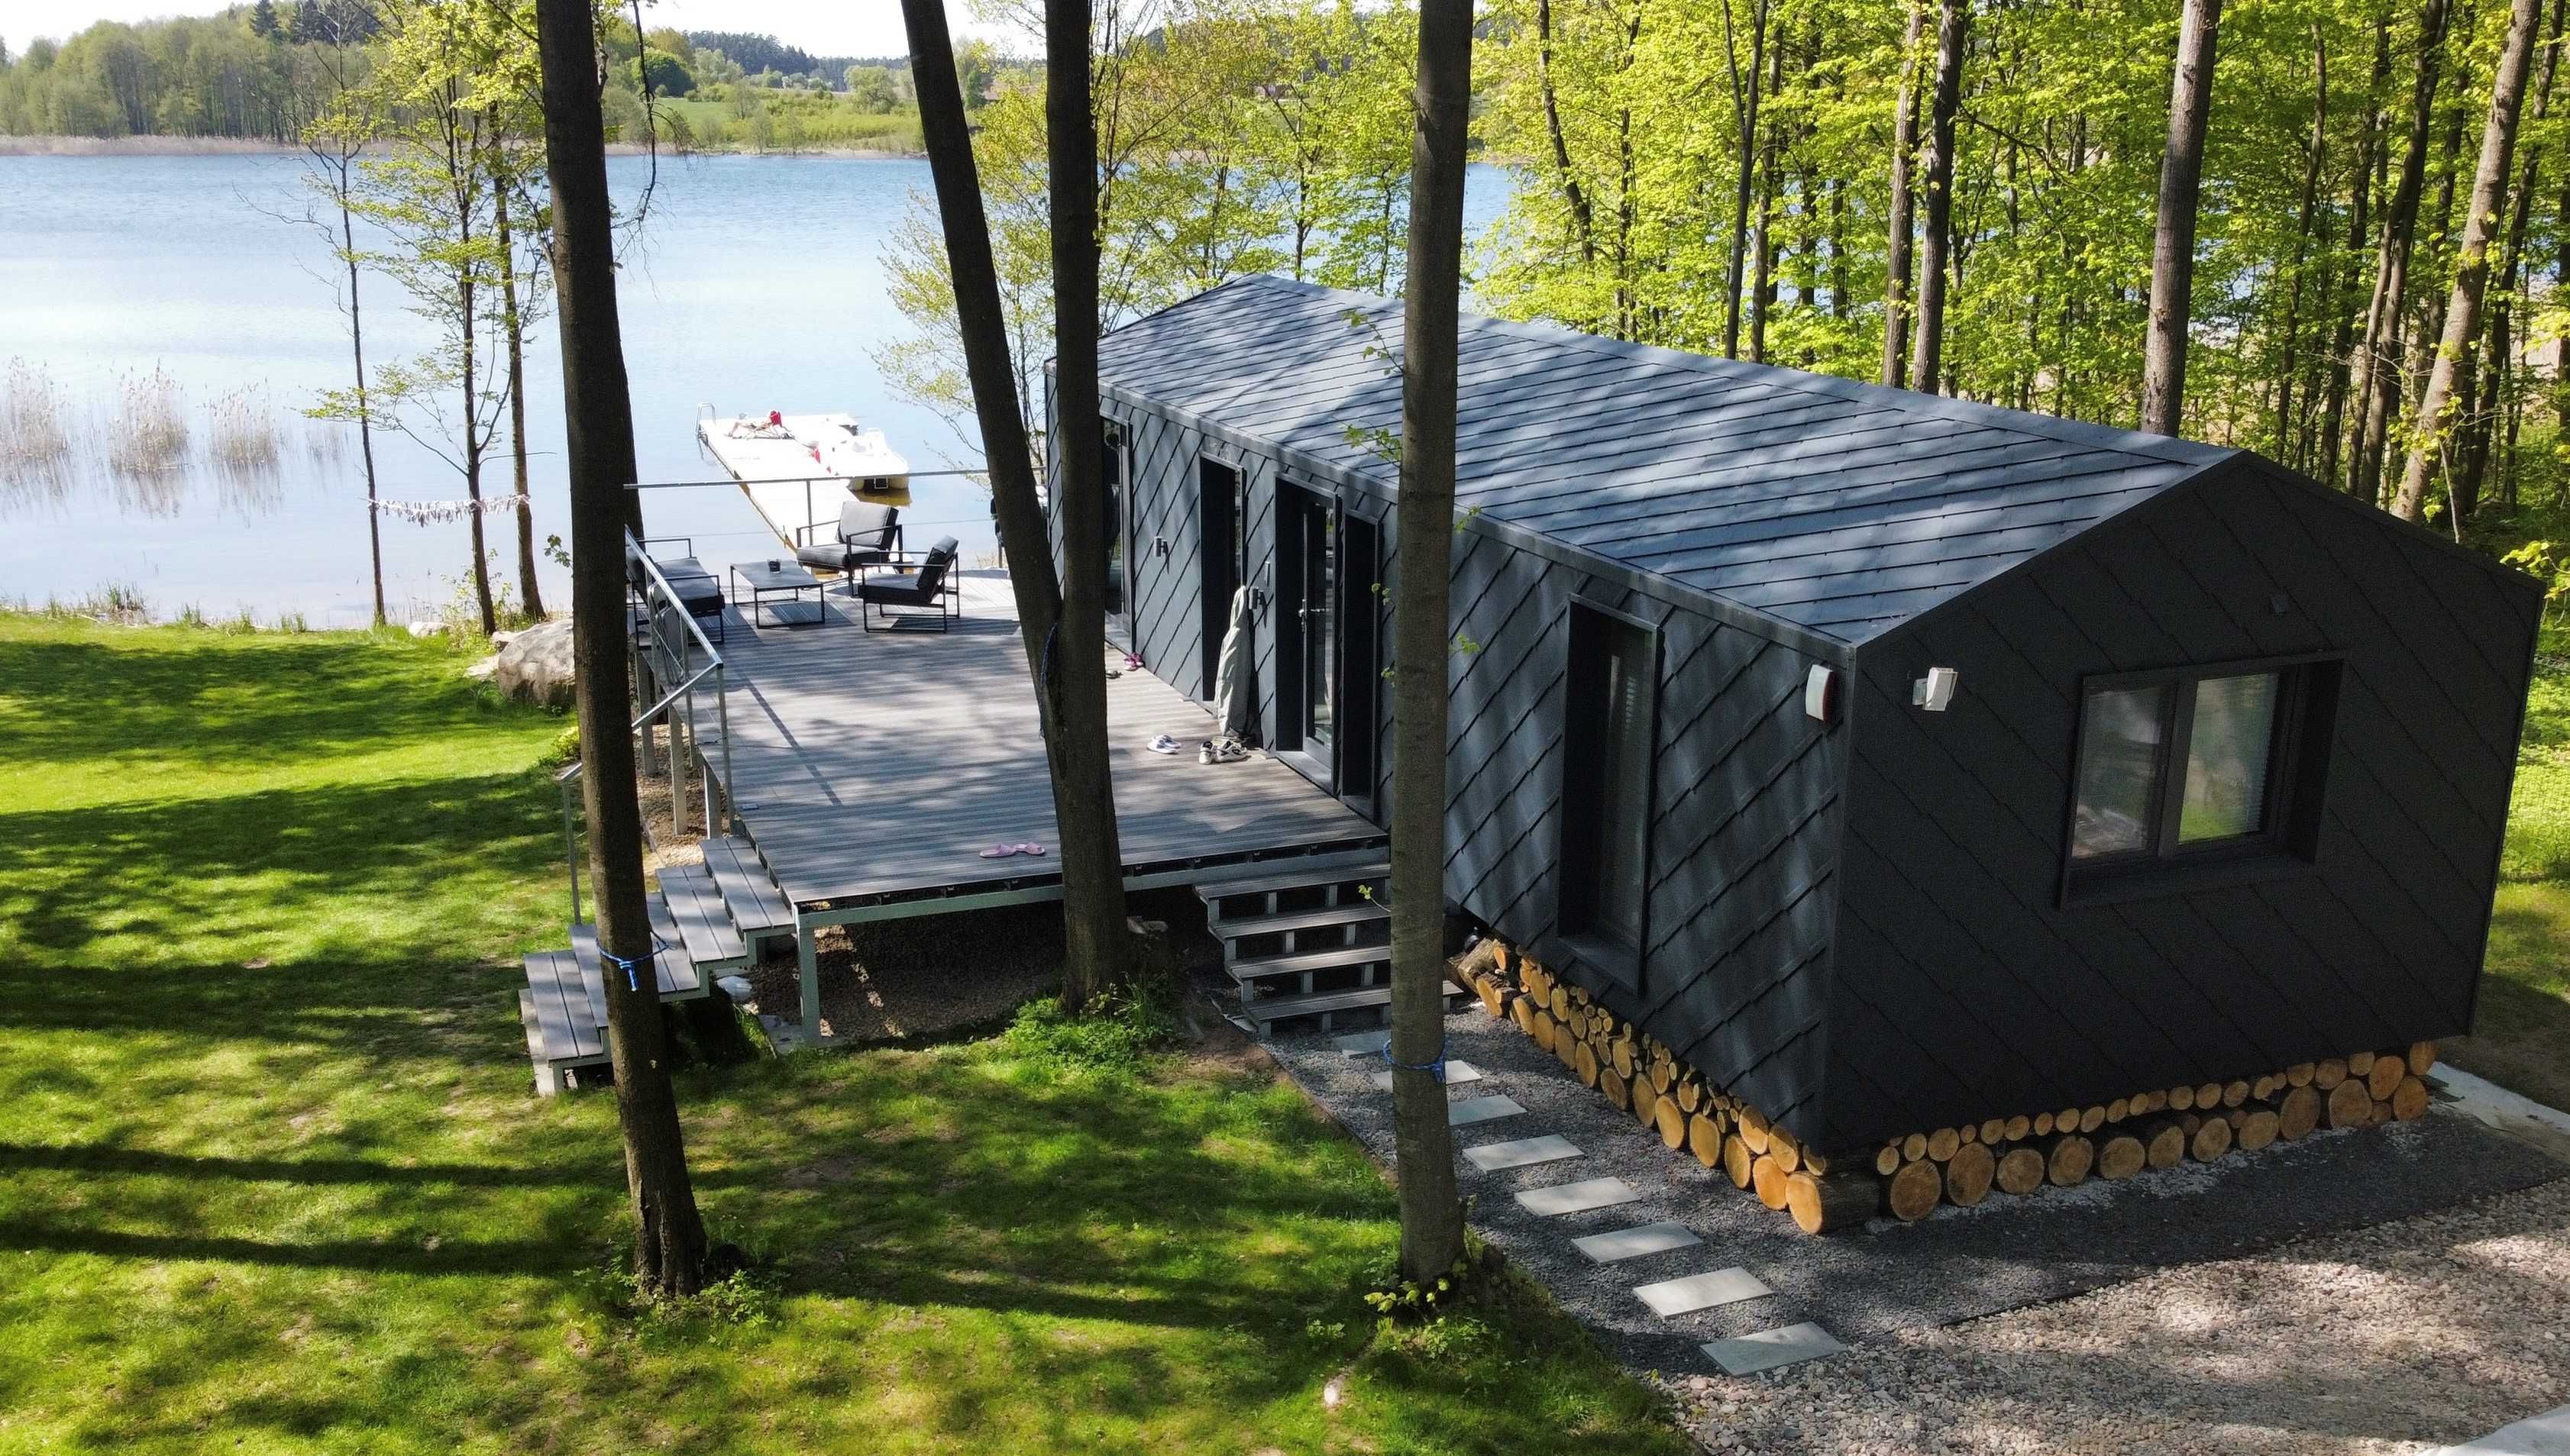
(554, 981)
(878, 767)
(703, 921)
(748, 894)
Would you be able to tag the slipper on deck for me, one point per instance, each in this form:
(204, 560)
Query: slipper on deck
(1001, 852)
(1164, 744)
(1029, 849)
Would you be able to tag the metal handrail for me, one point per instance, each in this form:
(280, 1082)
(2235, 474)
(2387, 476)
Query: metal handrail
(657, 588)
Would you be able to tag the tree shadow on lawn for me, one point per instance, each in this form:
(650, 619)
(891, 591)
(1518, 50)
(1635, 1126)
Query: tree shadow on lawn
(215, 702)
(138, 917)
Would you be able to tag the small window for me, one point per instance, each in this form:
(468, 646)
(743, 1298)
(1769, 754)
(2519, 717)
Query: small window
(2178, 770)
(1606, 786)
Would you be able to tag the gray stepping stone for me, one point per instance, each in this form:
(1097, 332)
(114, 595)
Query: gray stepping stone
(1362, 1043)
(1769, 1349)
(1480, 1109)
(1671, 1297)
(1457, 1074)
(1579, 1197)
(2547, 1434)
(1524, 1153)
(1635, 1243)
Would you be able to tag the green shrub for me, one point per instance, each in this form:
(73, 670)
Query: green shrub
(1114, 1033)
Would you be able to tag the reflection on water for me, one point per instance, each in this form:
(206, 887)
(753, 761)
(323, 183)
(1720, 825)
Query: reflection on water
(35, 450)
(143, 461)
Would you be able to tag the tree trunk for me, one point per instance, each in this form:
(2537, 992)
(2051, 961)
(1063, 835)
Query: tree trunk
(1093, 882)
(2500, 396)
(2471, 263)
(598, 427)
(1431, 1217)
(1744, 96)
(2374, 388)
(531, 599)
(1073, 666)
(2289, 337)
(1926, 352)
(2173, 240)
(1580, 218)
(2342, 338)
(365, 418)
(1904, 155)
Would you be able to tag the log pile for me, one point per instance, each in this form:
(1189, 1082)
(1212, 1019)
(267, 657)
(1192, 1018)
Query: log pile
(1910, 1176)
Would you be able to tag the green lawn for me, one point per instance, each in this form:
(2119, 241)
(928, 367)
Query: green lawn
(2523, 1035)
(270, 1179)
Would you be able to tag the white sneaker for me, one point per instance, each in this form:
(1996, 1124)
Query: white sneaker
(1204, 751)
(1164, 744)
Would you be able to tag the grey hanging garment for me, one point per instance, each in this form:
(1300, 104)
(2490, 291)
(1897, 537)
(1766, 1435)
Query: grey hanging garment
(1233, 702)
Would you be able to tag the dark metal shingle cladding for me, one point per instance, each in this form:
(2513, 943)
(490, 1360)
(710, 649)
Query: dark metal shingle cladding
(1840, 507)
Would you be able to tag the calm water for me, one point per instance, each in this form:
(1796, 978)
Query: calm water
(758, 286)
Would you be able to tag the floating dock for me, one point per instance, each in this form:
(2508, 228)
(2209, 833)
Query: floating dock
(797, 470)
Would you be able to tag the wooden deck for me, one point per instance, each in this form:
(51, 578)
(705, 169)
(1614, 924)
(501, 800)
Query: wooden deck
(870, 769)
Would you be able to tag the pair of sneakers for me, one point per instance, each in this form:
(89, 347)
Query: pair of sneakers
(1222, 750)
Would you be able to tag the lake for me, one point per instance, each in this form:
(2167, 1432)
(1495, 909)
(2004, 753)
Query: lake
(758, 284)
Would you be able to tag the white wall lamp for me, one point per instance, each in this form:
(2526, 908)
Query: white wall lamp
(1935, 690)
(1821, 694)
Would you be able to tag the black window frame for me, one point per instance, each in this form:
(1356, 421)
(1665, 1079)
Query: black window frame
(2297, 753)
(1577, 860)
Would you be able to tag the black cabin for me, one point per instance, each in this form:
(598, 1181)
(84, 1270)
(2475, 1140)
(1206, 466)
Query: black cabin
(1899, 761)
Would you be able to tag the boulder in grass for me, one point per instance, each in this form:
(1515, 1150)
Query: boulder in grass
(536, 665)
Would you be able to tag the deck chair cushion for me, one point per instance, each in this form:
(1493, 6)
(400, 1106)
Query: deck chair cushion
(919, 587)
(865, 537)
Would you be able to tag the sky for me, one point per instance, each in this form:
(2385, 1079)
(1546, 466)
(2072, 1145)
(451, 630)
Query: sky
(822, 27)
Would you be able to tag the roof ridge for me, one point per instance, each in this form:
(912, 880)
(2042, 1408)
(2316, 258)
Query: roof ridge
(1910, 401)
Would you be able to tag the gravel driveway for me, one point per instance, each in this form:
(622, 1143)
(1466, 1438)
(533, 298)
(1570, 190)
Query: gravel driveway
(2403, 1337)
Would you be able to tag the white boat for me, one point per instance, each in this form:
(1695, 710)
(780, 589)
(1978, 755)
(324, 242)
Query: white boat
(798, 469)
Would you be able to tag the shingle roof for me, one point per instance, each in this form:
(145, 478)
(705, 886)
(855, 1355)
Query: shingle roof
(1840, 508)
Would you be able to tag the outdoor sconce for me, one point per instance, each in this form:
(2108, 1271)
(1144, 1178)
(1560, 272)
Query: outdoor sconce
(1821, 694)
(1935, 690)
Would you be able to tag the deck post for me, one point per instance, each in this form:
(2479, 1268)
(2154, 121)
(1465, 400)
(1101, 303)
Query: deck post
(808, 963)
(722, 724)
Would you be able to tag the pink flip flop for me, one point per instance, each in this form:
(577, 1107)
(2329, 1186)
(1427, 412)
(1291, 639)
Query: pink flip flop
(1001, 852)
(1027, 848)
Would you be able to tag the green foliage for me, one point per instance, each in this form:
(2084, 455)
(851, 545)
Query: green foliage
(1116, 1033)
(1399, 1300)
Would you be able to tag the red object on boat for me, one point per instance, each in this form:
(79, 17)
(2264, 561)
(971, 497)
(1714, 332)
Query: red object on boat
(777, 418)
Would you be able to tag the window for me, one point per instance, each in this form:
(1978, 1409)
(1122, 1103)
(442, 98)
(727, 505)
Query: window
(1606, 786)
(2213, 766)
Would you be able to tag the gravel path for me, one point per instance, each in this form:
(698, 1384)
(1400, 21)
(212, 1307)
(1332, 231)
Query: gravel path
(1867, 1287)
(2403, 1337)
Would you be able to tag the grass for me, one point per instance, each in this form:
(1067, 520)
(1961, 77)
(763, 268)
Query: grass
(270, 1179)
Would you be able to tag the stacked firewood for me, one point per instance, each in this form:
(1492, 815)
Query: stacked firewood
(1960, 1165)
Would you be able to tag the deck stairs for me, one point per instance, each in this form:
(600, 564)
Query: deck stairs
(709, 920)
(1308, 944)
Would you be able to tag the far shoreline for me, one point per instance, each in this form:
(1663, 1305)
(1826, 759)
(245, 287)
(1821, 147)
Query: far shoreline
(53, 146)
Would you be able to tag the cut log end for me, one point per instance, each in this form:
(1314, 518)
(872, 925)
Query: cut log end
(2070, 1160)
(2121, 1156)
(1672, 1124)
(1737, 1160)
(2211, 1140)
(2297, 1113)
(1704, 1139)
(2385, 1077)
(2409, 1099)
(2421, 1058)
(1969, 1173)
(2349, 1104)
(1768, 1182)
(2021, 1171)
(1915, 1191)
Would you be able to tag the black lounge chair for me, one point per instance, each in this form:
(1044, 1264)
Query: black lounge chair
(698, 591)
(868, 534)
(930, 584)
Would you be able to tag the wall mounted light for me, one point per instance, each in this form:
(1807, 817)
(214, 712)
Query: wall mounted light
(1935, 690)
(1821, 694)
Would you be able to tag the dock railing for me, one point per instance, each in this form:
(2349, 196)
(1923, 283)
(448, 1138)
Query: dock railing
(665, 644)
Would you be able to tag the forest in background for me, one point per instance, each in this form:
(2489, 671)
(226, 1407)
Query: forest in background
(261, 71)
(1847, 186)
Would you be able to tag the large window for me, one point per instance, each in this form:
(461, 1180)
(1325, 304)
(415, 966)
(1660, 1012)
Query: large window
(1606, 786)
(2178, 770)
